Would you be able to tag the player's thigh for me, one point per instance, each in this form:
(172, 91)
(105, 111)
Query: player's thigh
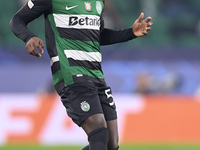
(113, 134)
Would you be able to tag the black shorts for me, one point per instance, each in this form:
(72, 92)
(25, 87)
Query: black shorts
(83, 100)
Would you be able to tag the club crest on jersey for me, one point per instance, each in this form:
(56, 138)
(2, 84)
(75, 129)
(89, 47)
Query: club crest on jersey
(99, 7)
(88, 6)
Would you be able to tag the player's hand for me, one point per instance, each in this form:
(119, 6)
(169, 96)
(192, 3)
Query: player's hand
(141, 28)
(32, 44)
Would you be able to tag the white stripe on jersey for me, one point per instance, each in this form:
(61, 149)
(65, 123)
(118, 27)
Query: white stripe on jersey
(77, 21)
(54, 59)
(81, 55)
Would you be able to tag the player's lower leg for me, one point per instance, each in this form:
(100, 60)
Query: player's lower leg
(96, 129)
(113, 135)
(98, 139)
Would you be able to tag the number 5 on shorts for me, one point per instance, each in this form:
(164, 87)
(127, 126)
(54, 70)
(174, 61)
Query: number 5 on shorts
(109, 96)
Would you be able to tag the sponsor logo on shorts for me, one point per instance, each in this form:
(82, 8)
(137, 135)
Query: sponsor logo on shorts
(85, 106)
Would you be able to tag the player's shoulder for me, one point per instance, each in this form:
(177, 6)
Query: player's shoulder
(40, 3)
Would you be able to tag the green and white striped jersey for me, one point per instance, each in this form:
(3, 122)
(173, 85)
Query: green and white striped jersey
(74, 30)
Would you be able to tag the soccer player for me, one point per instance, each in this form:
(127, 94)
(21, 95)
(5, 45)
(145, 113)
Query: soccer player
(74, 31)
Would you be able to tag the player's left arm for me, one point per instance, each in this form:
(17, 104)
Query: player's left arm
(18, 24)
(139, 29)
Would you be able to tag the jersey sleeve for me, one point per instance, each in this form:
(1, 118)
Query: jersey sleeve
(109, 36)
(30, 11)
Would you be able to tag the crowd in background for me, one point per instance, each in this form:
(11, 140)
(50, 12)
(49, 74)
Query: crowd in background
(176, 22)
(174, 39)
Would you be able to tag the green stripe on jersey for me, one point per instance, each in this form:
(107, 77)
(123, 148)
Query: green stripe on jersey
(57, 77)
(89, 7)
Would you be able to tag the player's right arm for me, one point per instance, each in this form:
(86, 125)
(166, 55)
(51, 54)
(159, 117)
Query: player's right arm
(18, 24)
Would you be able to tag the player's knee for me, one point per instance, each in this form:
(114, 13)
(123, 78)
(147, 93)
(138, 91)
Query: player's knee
(94, 122)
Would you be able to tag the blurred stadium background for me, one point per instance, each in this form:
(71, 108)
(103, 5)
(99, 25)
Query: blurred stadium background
(155, 79)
